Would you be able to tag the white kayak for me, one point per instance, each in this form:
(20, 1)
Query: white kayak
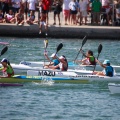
(114, 88)
(73, 76)
(21, 68)
(71, 66)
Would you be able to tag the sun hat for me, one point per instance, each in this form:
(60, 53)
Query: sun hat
(53, 55)
(106, 61)
(4, 60)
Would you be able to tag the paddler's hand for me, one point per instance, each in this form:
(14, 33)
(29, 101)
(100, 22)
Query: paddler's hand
(45, 53)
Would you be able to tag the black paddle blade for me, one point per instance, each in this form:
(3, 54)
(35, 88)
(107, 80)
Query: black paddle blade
(59, 47)
(4, 50)
(99, 49)
(46, 43)
(84, 41)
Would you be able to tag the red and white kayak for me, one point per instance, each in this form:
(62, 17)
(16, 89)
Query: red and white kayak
(114, 88)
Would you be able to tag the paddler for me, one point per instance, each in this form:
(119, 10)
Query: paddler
(89, 58)
(7, 68)
(63, 65)
(54, 60)
(108, 70)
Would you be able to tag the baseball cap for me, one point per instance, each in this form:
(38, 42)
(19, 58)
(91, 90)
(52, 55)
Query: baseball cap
(53, 55)
(4, 60)
(61, 57)
(106, 61)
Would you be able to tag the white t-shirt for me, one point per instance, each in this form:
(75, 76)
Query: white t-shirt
(32, 4)
(83, 5)
(72, 6)
(16, 3)
(105, 2)
(66, 4)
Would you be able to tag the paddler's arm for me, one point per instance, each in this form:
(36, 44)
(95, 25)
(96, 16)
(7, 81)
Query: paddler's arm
(45, 54)
(100, 63)
(1, 68)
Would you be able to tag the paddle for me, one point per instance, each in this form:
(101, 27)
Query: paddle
(99, 51)
(59, 47)
(83, 42)
(45, 47)
(4, 50)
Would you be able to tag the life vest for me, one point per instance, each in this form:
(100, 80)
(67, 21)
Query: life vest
(92, 62)
(9, 71)
(109, 71)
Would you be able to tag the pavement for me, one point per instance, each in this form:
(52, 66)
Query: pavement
(63, 31)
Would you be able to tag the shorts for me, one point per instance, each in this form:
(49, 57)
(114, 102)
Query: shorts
(84, 13)
(45, 11)
(43, 23)
(96, 16)
(73, 12)
(66, 12)
(56, 12)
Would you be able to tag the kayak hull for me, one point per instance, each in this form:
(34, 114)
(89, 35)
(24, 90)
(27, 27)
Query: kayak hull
(68, 79)
(114, 88)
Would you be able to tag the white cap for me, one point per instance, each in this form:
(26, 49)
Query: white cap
(53, 55)
(61, 57)
(106, 62)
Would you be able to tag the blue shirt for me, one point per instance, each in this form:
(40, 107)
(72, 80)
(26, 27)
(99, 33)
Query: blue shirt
(56, 62)
(109, 71)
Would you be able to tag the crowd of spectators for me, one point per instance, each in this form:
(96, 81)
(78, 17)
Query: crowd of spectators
(75, 12)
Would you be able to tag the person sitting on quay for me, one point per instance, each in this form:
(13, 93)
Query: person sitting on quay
(89, 60)
(1, 17)
(19, 18)
(7, 68)
(9, 18)
(31, 19)
(108, 70)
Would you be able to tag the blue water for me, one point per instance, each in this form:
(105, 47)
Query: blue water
(49, 101)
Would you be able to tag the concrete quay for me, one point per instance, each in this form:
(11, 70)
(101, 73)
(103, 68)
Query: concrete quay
(93, 32)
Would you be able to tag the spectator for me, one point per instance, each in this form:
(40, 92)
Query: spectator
(1, 16)
(32, 5)
(10, 18)
(83, 10)
(5, 6)
(43, 23)
(16, 5)
(106, 6)
(45, 8)
(58, 9)
(25, 8)
(66, 11)
(19, 18)
(96, 8)
(73, 11)
(118, 12)
(31, 19)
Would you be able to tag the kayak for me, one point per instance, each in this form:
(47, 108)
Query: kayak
(114, 88)
(22, 69)
(4, 43)
(62, 79)
(10, 84)
(71, 65)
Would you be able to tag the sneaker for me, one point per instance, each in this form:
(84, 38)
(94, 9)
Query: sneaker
(16, 23)
(20, 24)
(46, 34)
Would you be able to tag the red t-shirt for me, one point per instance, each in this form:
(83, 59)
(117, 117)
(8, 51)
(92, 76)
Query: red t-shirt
(46, 4)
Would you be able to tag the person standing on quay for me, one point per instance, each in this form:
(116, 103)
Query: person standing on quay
(66, 11)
